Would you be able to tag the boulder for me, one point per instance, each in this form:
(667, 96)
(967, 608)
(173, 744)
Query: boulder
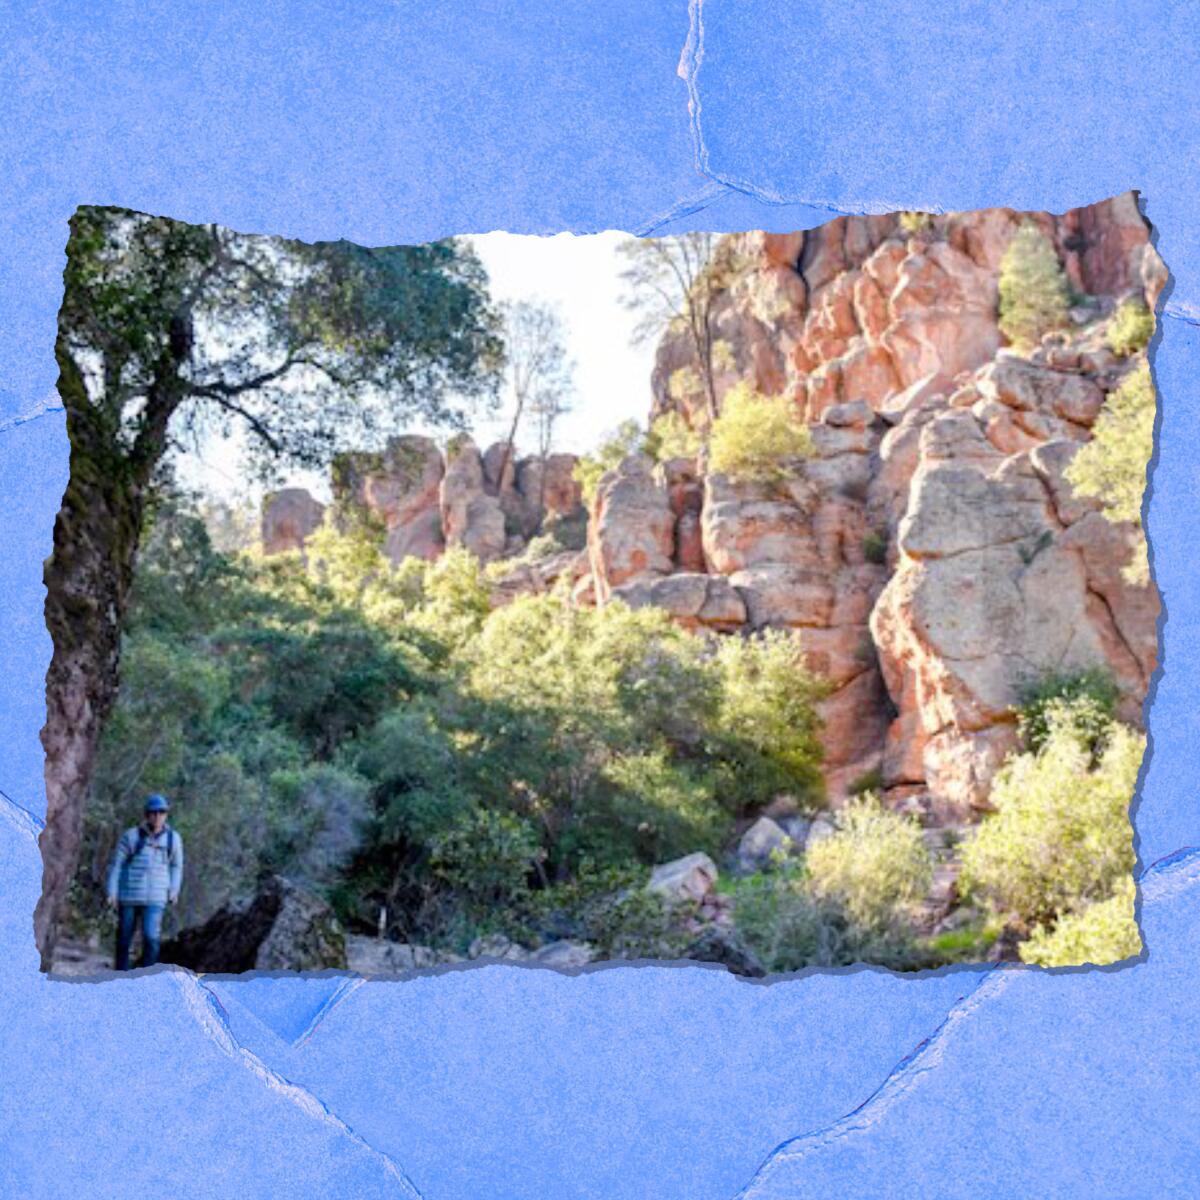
(720, 944)
(282, 927)
(692, 877)
(632, 531)
(288, 517)
(495, 946)
(758, 846)
(471, 517)
(400, 486)
(563, 955)
(695, 601)
(369, 956)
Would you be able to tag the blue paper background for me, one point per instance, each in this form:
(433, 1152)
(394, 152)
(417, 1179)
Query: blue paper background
(404, 121)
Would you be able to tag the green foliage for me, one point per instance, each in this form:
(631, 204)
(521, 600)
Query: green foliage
(671, 437)
(487, 859)
(970, 944)
(1086, 700)
(1112, 467)
(381, 735)
(757, 437)
(875, 867)
(869, 781)
(915, 222)
(1100, 933)
(875, 546)
(412, 325)
(766, 737)
(1035, 295)
(1060, 837)
(853, 899)
(684, 382)
(1130, 328)
(625, 440)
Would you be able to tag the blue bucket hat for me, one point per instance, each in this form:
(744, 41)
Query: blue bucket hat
(157, 803)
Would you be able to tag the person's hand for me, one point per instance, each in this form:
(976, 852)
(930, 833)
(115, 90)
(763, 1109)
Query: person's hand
(173, 899)
(112, 902)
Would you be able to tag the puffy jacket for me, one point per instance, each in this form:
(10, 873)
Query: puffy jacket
(151, 875)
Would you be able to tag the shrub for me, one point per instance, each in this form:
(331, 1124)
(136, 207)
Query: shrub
(785, 927)
(1103, 932)
(1086, 700)
(767, 735)
(1035, 295)
(915, 222)
(756, 437)
(1131, 328)
(1111, 467)
(875, 546)
(875, 867)
(869, 781)
(1060, 837)
(671, 437)
(486, 858)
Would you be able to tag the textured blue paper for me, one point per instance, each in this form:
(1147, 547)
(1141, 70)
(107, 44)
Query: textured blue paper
(405, 121)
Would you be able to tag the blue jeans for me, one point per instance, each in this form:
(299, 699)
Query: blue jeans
(150, 916)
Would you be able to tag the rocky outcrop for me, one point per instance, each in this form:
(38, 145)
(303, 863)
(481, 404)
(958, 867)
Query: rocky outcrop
(288, 517)
(281, 927)
(490, 503)
(471, 516)
(400, 487)
(930, 553)
(631, 534)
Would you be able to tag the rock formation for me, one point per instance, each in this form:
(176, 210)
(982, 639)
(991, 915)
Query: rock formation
(281, 927)
(427, 501)
(930, 550)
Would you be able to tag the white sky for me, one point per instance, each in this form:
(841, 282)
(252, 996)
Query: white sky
(581, 275)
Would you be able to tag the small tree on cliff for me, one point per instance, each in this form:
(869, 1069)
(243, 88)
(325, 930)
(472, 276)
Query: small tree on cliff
(1111, 467)
(1034, 291)
(169, 329)
(675, 281)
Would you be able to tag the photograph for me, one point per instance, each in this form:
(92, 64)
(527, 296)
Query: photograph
(769, 600)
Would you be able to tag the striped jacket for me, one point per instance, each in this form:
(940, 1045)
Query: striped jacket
(151, 875)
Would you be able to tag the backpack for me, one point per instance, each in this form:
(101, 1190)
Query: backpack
(143, 837)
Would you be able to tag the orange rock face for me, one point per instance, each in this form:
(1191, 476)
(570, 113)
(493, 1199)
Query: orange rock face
(930, 553)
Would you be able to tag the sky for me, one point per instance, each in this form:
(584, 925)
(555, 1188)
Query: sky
(581, 275)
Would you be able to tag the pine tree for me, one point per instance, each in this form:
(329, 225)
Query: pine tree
(1034, 292)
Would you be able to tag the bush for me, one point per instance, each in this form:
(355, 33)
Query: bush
(1035, 295)
(756, 437)
(875, 867)
(915, 222)
(1101, 933)
(1060, 837)
(874, 546)
(1130, 328)
(785, 927)
(767, 732)
(487, 859)
(671, 437)
(1086, 700)
(1111, 467)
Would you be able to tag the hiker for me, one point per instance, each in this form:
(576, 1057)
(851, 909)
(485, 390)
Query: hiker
(144, 877)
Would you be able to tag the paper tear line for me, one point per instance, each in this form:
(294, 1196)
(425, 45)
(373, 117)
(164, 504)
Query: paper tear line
(50, 403)
(1164, 878)
(900, 1080)
(21, 817)
(206, 1010)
